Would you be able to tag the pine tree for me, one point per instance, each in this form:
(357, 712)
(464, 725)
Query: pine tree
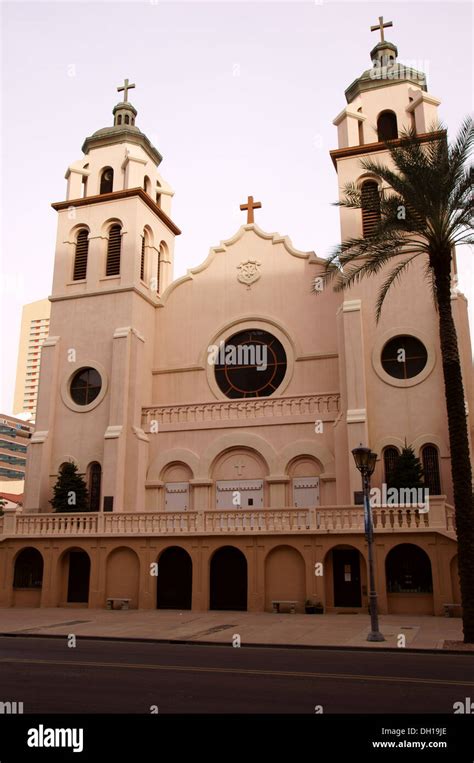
(407, 471)
(70, 491)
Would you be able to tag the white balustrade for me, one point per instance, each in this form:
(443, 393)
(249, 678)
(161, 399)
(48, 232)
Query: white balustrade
(324, 519)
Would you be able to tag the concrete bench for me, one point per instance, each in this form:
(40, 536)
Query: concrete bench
(292, 605)
(124, 603)
(449, 609)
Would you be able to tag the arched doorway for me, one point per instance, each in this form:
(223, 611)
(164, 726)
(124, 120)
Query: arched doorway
(285, 577)
(239, 477)
(387, 128)
(78, 577)
(305, 485)
(175, 579)
(228, 580)
(106, 180)
(28, 578)
(343, 566)
(123, 575)
(409, 580)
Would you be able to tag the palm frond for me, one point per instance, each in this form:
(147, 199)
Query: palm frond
(393, 277)
(427, 208)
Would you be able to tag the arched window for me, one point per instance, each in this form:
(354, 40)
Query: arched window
(95, 476)
(107, 180)
(80, 256)
(119, 119)
(142, 258)
(114, 247)
(390, 457)
(412, 116)
(158, 269)
(304, 488)
(360, 128)
(408, 570)
(387, 128)
(127, 119)
(430, 460)
(370, 207)
(28, 569)
(147, 184)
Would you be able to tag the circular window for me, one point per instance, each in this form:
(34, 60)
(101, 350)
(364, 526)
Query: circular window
(250, 364)
(404, 357)
(85, 386)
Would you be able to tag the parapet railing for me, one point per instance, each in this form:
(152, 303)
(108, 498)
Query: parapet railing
(324, 519)
(248, 410)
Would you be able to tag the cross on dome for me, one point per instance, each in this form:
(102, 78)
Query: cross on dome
(381, 26)
(125, 88)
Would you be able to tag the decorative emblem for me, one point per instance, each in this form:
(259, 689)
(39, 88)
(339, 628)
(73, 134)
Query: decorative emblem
(248, 272)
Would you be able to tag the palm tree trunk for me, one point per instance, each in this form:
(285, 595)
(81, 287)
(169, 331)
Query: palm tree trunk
(461, 470)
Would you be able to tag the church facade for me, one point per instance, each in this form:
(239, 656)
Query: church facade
(213, 416)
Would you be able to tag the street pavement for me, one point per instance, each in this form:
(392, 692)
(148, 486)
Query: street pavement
(94, 676)
(345, 630)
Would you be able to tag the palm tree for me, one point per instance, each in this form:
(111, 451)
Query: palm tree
(426, 211)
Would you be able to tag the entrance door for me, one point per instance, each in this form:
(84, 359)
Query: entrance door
(346, 574)
(239, 494)
(176, 496)
(175, 579)
(228, 580)
(306, 492)
(78, 579)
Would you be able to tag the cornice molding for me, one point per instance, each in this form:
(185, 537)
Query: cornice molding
(223, 246)
(117, 196)
(370, 148)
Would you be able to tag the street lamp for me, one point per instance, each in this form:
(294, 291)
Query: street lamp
(365, 461)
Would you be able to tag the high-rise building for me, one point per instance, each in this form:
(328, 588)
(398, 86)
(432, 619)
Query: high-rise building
(34, 330)
(14, 437)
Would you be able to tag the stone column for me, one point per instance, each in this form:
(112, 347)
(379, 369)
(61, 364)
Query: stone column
(38, 462)
(146, 589)
(97, 576)
(47, 592)
(125, 447)
(277, 490)
(354, 360)
(380, 576)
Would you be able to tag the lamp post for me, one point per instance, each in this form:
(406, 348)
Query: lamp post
(365, 461)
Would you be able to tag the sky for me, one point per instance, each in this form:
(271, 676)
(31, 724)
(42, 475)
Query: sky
(238, 97)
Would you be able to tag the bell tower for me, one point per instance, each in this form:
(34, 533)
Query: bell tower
(383, 101)
(113, 260)
(116, 188)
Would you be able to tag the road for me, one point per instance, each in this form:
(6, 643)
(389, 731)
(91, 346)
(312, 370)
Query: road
(129, 677)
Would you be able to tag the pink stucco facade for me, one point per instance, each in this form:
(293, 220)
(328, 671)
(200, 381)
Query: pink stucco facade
(169, 442)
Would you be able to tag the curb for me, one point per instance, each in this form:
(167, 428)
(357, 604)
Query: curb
(250, 645)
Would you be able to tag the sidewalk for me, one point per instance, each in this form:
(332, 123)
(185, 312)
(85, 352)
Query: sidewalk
(421, 632)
